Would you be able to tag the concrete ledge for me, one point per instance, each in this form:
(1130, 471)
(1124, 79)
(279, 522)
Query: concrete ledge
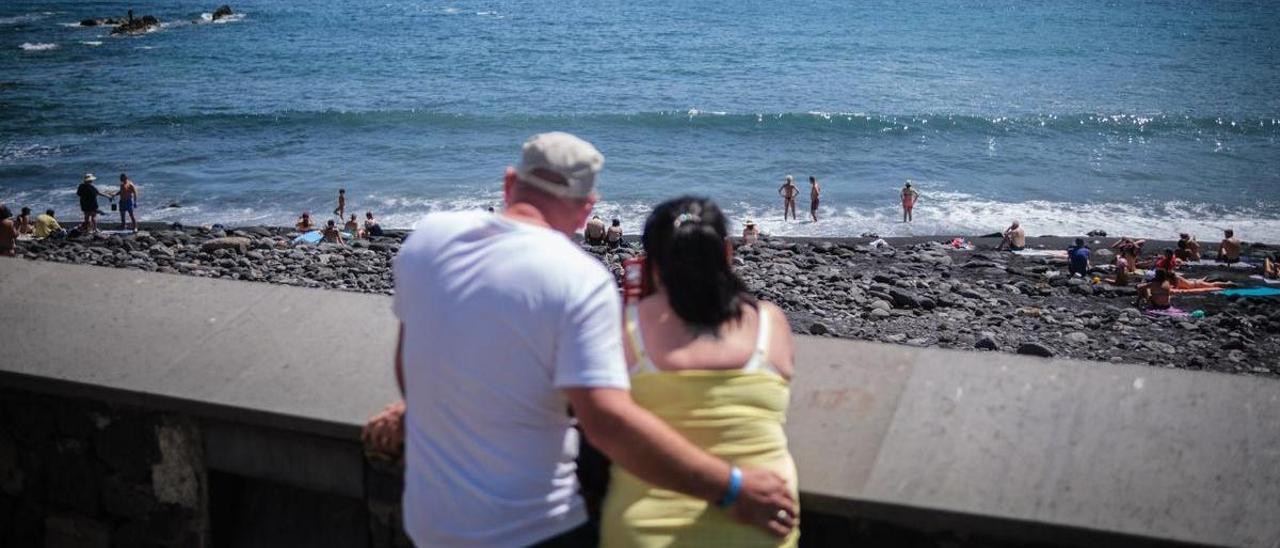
(1057, 451)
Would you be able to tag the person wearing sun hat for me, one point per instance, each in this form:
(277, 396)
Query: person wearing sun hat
(750, 233)
(505, 323)
(88, 195)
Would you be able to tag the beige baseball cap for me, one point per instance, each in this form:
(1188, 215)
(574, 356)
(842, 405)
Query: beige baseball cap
(89, 178)
(560, 164)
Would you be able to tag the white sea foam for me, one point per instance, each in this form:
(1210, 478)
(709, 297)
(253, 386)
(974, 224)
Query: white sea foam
(25, 18)
(39, 46)
(208, 18)
(93, 43)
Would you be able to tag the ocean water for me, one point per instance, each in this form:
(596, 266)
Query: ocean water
(1137, 117)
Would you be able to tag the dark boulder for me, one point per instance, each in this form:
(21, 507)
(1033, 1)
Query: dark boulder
(1035, 349)
(222, 11)
(137, 26)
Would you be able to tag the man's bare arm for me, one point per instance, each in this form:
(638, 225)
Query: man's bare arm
(648, 448)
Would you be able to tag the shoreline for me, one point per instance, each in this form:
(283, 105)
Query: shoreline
(915, 291)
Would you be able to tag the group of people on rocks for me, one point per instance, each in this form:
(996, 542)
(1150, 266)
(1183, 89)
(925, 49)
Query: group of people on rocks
(596, 233)
(330, 232)
(46, 225)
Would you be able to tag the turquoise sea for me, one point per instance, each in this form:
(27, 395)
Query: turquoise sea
(1143, 117)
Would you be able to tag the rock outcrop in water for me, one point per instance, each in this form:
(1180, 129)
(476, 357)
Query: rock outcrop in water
(98, 22)
(137, 26)
(223, 11)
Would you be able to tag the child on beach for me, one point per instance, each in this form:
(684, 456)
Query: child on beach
(341, 210)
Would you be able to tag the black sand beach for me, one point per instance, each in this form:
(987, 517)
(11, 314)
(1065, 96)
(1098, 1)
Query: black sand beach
(915, 291)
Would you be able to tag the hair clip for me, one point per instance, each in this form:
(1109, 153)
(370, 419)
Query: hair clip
(686, 218)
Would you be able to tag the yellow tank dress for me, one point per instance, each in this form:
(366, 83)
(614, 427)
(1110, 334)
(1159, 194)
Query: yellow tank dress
(736, 415)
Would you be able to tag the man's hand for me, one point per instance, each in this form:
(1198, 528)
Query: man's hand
(765, 502)
(384, 433)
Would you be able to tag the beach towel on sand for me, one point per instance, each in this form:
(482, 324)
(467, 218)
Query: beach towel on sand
(1061, 254)
(1196, 290)
(313, 237)
(1241, 265)
(1264, 279)
(1251, 292)
(1166, 313)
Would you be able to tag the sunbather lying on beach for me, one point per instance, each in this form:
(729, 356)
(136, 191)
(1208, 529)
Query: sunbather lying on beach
(1186, 284)
(1157, 293)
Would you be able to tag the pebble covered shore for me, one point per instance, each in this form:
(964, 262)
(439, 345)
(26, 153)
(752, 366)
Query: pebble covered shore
(915, 291)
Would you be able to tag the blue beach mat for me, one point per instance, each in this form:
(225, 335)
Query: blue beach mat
(1251, 292)
(313, 237)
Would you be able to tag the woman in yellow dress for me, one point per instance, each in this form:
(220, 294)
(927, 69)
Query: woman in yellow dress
(712, 362)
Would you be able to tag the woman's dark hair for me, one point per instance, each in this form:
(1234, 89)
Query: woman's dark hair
(4, 212)
(617, 222)
(684, 239)
(26, 211)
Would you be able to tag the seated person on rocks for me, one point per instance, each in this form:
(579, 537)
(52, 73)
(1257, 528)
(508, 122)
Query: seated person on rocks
(594, 231)
(1229, 249)
(1122, 270)
(1014, 237)
(1166, 261)
(8, 233)
(1157, 293)
(1271, 268)
(750, 233)
(353, 227)
(331, 233)
(47, 226)
(1188, 248)
(371, 226)
(1129, 249)
(1078, 255)
(613, 236)
(23, 221)
(304, 223)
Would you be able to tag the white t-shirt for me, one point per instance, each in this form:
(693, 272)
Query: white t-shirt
(498, 316)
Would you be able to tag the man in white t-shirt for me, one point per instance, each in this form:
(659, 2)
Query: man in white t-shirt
(505, 324)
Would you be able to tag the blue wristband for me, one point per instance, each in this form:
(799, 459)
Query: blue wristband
(735, 487)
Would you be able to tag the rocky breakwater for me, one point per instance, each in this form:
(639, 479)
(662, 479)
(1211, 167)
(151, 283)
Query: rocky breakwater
(254, 254)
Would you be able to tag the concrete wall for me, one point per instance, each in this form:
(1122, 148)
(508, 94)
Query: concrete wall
(927, 446)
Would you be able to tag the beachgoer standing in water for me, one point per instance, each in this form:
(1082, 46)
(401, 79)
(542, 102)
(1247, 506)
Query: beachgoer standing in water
(128, 201)
(88, 195)
(341, 210)
(789, 191)
(1229, 249)
(815, 192)
(489, 450)
(909, 197)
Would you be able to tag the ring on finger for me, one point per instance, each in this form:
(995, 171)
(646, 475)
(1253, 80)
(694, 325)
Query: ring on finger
(782, 515)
